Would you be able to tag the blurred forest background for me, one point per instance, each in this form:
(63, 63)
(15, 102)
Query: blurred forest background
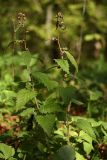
(41, 25)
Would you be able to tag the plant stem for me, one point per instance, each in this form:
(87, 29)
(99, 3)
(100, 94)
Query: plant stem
(32, 84)
(67, 122)
(81, 35)
(59, 46)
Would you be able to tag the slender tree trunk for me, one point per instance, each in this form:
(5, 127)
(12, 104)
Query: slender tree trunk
(48, 24)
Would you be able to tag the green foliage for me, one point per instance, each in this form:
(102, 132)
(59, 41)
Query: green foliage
(72, 60)
(95, 95)
(25, 58)
(79, 156)
(48, 110)
(67, 93)
(63, 64)
(6, 152)
(24, 96)
(45, 79)
(27, 112)
(46, 122)
(50, 106)
(65, 152)
(86, 126)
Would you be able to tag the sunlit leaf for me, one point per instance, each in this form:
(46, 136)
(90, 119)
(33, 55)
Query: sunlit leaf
(63, 64)
(6, 151)
(24, 96)
(72, 60)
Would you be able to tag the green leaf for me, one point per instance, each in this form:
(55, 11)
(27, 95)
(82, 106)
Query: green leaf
(79, 156)
(45, 79)
(86, 127)
(87, 147)
(104, 124)
(67, 93)
(95, 95)
(24, 96)
(72, 60)
(11, 158)
(66, 152)
(27, 112)
(86, 137)
(63, 64)
(46, 122)
(95, 123)
(25, 58)
(25, 75)
(50, 106)
(2, 156)
(7, 151)
(9, 94)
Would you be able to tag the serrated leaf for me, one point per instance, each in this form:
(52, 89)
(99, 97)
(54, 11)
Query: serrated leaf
(46, 122)
(86, 127)
(63, 64)
(72, 60)
(25, 58)
(7, 151)
(66, 152)
(9, 93)
(50, 106)
(27, 112)
(2, 156)
(45, 79)
(24, 96)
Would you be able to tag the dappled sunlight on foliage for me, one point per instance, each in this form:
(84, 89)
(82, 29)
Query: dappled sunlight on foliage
(53, 80)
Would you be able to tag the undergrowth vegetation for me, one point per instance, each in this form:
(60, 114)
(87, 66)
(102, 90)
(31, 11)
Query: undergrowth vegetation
(53, 111)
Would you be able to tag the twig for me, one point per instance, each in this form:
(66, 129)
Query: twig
(67, 121)
(59, 46)
(32, 85)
